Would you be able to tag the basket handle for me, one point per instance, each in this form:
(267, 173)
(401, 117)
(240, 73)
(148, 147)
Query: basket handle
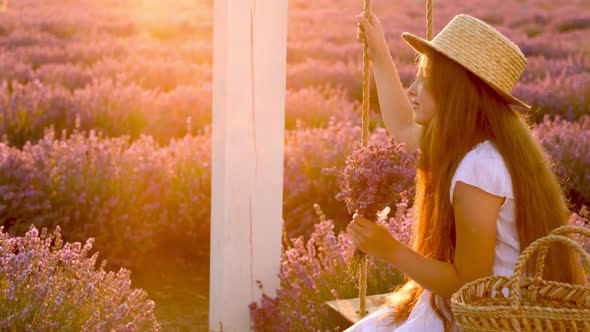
(567, 229)
(571, 229)
(524, 257)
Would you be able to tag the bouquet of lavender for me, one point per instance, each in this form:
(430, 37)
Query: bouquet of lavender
(375, 177)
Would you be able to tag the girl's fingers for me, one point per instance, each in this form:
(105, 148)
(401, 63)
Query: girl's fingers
(355, 227)
(350, 227)
(357, 230)
(362, 21)
(361, 220)
(365, 28)
(372, 20)
(358, 235)
(366, 224)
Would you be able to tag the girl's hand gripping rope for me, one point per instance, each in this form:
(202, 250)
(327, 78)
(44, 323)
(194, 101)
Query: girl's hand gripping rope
(372, 31)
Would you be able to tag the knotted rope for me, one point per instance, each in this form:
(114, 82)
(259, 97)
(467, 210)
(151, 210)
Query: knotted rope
(365, 130)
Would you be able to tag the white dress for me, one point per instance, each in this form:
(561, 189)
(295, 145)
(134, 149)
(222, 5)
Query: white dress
(484, 168)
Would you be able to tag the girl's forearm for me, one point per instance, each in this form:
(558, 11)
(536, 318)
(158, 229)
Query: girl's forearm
(437, 276)
(396, 110)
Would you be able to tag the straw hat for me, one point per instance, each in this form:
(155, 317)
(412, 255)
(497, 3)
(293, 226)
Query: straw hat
(481, 49)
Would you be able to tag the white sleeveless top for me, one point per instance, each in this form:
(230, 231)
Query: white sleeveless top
(482, 167)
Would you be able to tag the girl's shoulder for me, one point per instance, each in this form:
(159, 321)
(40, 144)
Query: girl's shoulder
(485, 168)
(486, 150)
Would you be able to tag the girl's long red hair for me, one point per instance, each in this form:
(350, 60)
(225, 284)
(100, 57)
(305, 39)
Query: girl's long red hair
(469, 112)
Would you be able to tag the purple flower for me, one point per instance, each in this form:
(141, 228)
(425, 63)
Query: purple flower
(376, 176)
(47, 286)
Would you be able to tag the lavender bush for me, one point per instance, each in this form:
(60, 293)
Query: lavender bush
(315, 271)
(107, 106)
(568, 145)
(315, 106)
(133, 197)
(47, 285)
(582, 219)
(114, 70)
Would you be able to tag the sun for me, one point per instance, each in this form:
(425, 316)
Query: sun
(169, 20)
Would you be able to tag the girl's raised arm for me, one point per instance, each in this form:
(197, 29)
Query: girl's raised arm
(396, 111)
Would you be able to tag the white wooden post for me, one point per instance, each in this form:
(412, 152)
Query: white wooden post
(249, 63)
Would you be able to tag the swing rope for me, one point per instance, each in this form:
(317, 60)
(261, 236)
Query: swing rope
(365, 139)
(366, 81)
(365, 131)
(429, 21)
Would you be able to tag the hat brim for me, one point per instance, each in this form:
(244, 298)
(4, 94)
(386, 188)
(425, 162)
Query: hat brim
(420, 45)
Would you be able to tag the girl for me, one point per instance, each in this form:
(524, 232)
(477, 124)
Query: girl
(485, 189)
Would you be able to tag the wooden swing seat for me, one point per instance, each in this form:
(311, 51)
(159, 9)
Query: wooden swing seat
(347, 309)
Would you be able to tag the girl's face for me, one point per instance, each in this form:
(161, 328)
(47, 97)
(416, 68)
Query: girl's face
(421, 100)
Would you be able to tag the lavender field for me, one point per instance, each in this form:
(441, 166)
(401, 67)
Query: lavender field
(105, 119)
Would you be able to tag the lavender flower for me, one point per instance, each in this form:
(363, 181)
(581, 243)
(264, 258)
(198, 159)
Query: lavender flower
(375, 176)
(51, 285)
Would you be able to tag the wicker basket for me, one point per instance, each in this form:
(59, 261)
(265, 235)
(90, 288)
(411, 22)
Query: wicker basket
(519, 303)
